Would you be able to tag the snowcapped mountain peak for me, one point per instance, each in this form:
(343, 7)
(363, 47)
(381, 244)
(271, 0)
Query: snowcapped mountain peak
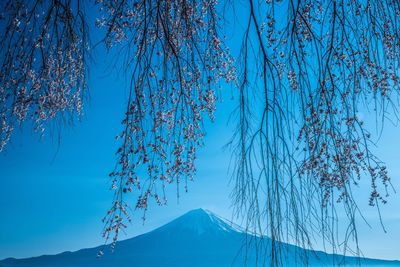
(201, 221)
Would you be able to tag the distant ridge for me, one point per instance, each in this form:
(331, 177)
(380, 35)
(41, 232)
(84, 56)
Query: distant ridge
(197, 238)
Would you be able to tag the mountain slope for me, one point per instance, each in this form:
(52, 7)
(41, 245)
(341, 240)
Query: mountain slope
(198, 238)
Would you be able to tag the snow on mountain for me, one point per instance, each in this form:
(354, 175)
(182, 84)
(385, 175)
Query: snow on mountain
(200, 221)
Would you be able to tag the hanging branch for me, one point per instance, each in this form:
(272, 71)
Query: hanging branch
(43, 63)
(175, 58)
(318, 64)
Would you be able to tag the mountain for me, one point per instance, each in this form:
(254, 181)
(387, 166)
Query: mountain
(198, 238)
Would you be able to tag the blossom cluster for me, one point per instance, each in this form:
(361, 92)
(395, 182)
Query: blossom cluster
(43, 64)
(333, 71)
(301, 145)
(176, 60)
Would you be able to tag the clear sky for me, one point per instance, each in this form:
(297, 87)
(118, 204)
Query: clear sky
(54, 192)
(53, 196)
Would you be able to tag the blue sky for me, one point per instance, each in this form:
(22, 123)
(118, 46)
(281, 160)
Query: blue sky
(54, 191)
(54, 194)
